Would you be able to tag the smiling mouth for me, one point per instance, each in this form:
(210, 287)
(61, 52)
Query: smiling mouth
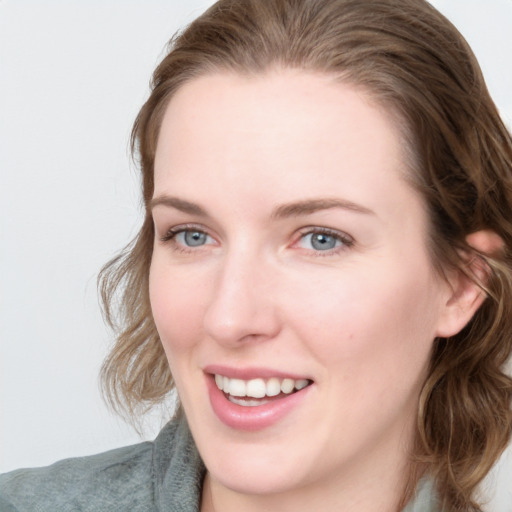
(257, 392)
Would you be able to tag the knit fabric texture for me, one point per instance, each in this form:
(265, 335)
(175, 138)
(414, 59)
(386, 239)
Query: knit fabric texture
(161, 476)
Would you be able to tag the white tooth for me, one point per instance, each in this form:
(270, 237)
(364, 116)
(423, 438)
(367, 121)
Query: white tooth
(225, 385)
(256, 388)
(300, 384)
(219, 380)
(247, 403)
(273, 387)
(237, 387)
(287, 386)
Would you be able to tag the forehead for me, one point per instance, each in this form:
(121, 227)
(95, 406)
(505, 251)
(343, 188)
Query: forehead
(272, 102)
(287, 129)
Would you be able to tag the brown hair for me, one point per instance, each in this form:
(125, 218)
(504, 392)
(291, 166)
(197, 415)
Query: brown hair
(411, 60)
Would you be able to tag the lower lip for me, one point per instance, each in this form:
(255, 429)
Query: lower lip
(251, 418)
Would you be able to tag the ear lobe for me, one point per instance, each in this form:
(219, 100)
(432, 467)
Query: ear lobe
(466, 294)
(464, 299)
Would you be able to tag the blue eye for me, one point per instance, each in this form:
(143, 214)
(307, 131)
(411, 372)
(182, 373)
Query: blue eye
(183, 238)
(191, 238)
(322, 241)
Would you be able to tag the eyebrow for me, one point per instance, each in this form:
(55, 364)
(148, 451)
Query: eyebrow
(309, 206)
(293, 209)
(178, 204)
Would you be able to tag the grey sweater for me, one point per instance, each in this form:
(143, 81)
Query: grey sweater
(165, 476)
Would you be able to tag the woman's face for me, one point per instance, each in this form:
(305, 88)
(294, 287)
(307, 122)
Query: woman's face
(290, 251)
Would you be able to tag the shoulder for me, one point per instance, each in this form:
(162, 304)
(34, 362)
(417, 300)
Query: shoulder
(121, 479)
(84, 483)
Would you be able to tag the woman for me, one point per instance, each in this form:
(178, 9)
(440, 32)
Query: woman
(323, 273)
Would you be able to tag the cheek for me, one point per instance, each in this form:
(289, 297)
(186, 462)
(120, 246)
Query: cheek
(380, 318)
(372, 337)
(176, 304)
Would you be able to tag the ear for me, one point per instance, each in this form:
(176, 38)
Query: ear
(464, 294)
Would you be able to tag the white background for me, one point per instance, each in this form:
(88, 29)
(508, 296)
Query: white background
(72, 78)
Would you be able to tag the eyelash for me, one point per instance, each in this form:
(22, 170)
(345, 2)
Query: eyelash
(172, 233)
(345, 240)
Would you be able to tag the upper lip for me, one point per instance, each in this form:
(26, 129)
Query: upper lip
(251, 372)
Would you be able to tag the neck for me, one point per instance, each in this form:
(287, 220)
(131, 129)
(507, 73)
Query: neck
(380, 490)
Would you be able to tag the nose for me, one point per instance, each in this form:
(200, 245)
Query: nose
(242, 307)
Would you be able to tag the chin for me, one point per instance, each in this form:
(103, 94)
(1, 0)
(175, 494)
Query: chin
(255, 477)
